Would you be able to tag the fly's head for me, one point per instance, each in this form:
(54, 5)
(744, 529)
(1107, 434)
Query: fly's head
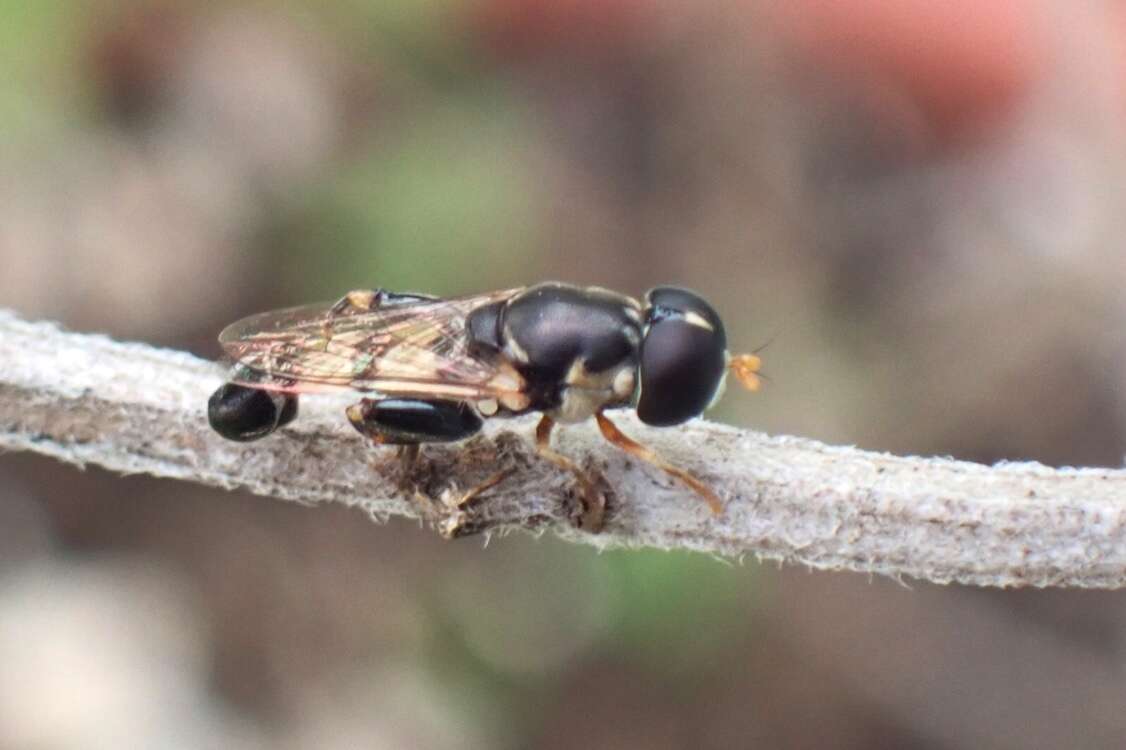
(683, 358)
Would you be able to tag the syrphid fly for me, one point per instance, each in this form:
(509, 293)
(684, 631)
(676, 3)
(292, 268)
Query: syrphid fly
(432, 370)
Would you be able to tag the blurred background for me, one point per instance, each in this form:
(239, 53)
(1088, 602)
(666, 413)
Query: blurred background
(918, 203)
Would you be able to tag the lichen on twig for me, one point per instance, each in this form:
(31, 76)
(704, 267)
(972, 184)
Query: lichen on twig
(86, 399)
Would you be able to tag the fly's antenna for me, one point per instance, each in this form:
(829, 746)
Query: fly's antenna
(769, 341)
(745, 368)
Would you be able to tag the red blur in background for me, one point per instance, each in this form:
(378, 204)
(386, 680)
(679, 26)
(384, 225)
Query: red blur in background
(948, 71)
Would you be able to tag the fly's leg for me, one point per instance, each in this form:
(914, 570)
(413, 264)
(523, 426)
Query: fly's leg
(611, 432)
(409, 422)
(408, 458)
(592, 511)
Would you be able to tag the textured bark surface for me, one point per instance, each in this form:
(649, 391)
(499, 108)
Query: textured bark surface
(132, 408)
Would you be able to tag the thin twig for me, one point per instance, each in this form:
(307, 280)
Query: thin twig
(132, 408)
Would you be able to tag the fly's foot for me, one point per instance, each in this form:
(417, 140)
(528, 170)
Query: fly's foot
(589, 500)
(413, 472)
(416, 478)
(472, 498)
(591, 489)
(460, 516)
(453, 513)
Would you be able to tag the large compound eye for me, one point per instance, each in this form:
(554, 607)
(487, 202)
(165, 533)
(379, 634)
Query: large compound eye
(683, 357)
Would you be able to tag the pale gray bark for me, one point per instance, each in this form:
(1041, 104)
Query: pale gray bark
(136, 409)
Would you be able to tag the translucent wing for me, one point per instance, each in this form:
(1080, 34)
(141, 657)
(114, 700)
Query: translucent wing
(413, 348)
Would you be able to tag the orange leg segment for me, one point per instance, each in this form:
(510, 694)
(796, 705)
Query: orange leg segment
(593, 501)
(611, 432)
